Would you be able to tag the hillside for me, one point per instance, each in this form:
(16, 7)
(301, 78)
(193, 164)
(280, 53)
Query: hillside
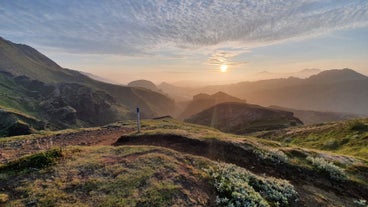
(332, 90)
(203, 101)
(240, 118)
(185, 165)
(144, 84)
(33, 85)
(345, 137)
(309, 117)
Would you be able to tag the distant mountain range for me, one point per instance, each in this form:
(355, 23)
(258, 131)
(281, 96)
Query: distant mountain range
(33, 85)
(240, 118)
(342, 90)
(266, 75)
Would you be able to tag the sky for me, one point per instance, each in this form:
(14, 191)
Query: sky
(189, 41)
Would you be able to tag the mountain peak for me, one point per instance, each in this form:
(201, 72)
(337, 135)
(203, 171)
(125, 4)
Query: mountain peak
(337, 75)
(143, 84)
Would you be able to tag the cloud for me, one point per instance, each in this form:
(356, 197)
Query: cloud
(140, 27)
(226, 57)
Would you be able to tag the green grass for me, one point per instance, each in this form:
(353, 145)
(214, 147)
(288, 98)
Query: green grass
(39, 160)
(154, 176)
(136, 176)
(116, 176)
(346, 137)
(12, 96)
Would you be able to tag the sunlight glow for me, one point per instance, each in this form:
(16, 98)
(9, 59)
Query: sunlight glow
(223, 68)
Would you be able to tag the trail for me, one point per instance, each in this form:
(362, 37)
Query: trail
(105, 136)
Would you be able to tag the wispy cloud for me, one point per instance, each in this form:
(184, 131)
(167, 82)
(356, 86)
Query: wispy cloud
(139, 27)
(226, 57)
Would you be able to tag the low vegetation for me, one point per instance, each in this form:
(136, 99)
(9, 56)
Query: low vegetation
(144, 175)
(345, 137)
(238, 187)
(38, 160)
(331, 169)
(112, 176)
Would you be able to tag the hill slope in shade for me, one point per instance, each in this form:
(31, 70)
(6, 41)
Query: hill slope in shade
(204, 101)
(334, 90)
(240, 118)
(32, 84)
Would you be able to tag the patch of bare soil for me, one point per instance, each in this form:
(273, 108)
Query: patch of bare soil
(244, 156)
(106, 136)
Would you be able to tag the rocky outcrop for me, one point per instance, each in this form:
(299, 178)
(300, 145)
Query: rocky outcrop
(13, 124)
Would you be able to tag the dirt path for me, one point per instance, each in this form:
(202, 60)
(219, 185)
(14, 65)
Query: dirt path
(106, 136)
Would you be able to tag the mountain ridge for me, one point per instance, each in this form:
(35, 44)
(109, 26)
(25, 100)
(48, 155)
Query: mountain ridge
(33, 84)
(321, 92)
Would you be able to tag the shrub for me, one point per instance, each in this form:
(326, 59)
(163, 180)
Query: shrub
(236, 186)
(273, 155)
(358, 126)
(331, 144)
(361, 202)
(39, 160)
(3, 198)
(324, 166)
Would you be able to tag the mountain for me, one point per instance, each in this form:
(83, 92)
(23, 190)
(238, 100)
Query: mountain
(316, 117)
(342, 90)
(98, 78)
(144, 84)
(266, 75)
(240, 118)
(178, 93)
(33, 85)
(336, 76)
(204, 101)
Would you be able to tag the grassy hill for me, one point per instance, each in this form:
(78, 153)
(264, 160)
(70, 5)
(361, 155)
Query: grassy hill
(345, 137)
(241, 118)
(172, 163)
(204, 101)
(34, 85)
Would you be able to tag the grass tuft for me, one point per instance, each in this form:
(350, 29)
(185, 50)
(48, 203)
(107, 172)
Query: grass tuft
(3, 198)
(38, 161)
(358, 125)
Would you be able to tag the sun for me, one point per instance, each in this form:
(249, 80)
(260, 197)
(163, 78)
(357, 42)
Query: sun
(223, 68)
